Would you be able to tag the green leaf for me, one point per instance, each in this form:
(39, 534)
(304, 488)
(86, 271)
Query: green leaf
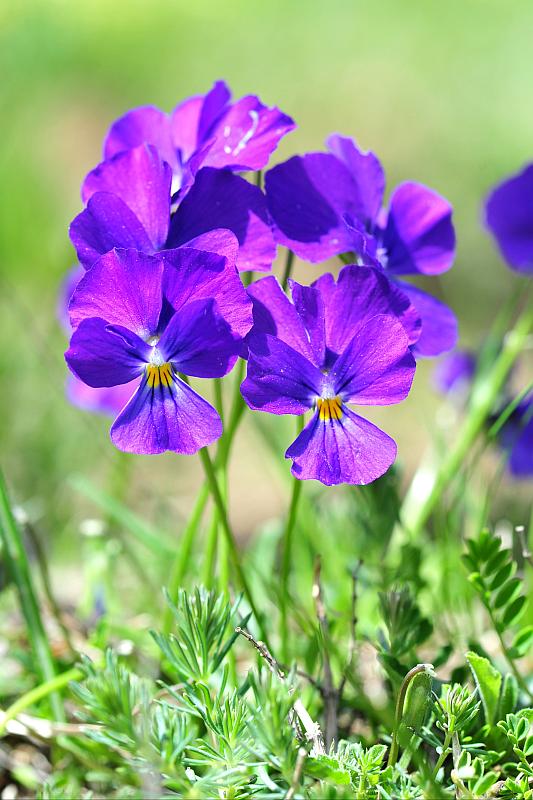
(508, 696)
(502, 575)
(417, 702)
(488, 681)
(507, 593)
(327, 768)
(523, 642)
(513, 612)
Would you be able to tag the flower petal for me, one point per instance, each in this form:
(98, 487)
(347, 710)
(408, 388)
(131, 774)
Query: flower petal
(309, 306)
(439, 325)
(192, 274)
(279, 379)
(509, 217)
(192, 121)
(144, 125)
(308, 197)
(366, 170)
(199, 342)
(274, 314)
(142, 181)
(455, 372)
(101, 356)
(166, 418)
(349, 450)
(377, 367)
(419, 236)
(123, 287)
(219, 199)
(107, 222)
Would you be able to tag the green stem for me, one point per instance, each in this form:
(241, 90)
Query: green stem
(395, 743)
(38, 693)
(444, 753)
(211, 551)
(288, 269)
(286, 558)
(484, 397)
(219, 404)
(230, 539)
(19, 568)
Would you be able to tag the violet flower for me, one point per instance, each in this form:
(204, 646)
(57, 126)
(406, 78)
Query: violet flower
(152, 319)
(328, 204)
(333, 345)
(509, 217)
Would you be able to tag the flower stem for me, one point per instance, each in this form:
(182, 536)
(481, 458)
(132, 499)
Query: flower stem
(230, 539)
(19, 569)
(286, 558)
(38, 693)
(484, 397)
(288, 269)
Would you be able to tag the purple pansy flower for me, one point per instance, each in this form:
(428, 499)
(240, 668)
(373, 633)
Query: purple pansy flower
(129, 205)
(455, 371)
(328, 204)
(152, 319)
(334, 344)
(509, 217)
(204, 131)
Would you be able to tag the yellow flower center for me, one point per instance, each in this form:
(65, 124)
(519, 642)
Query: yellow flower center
(157, 374)
(329, 408)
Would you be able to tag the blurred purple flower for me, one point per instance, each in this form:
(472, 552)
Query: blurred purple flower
(509, 217)
(516, 437)
(129, 205)
(328, 204)
(147, 318)
(334, 344)
(455, 371)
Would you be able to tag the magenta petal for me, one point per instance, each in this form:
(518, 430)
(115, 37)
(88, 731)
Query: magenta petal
(246, 134)
(199, 342)
(144, 125)
(419, 236)
(349, 450)
(366, 171)
(275, 314)
(124, 288)
(103, 357)
(279, 380)
(219, 199)
(142, 181)
(195, 275)
(377, 367)
(439, 324)
(308, 197)
(509, 217)
(107, 400)
(166, 418)
(362, 293)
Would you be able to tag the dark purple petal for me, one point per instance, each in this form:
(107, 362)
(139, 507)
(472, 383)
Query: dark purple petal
(123, 287)
(108, 400)
(107, 222)
(103, 357)
(308, 197)
(195, 275)
(246, 134)
(366, 170)
(68, 284)
(455, 371)
(142, 181)
(309, 305)
(166, 418)
(439, 324)
(199, 342)
(377, 367)
(193, 120)
(362, 293)
(516, 437)
(349, 450)
(221, 242)
(274, 314)
(144, 125)
(219, 199)
(279, 379)
(419, 236)
(509, 217)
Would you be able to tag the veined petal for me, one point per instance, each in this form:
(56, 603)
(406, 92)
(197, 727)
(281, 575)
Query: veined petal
(124, 287)
(439, 325)
(366, 170)
(101, 356)
(509, 217)
(192, 274)
(279, 379)
(345, 450)
(274, 314)
(377, 367)
(192, 121)
(309, 306)
(166, 417)
(144, 125)
(219, 199)
(419, 236)
(220, 241)
(199, 342)
(308, 197)
(141, 179)
(107, 222)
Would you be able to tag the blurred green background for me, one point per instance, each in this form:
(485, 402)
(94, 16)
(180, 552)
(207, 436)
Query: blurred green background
(441, 91)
